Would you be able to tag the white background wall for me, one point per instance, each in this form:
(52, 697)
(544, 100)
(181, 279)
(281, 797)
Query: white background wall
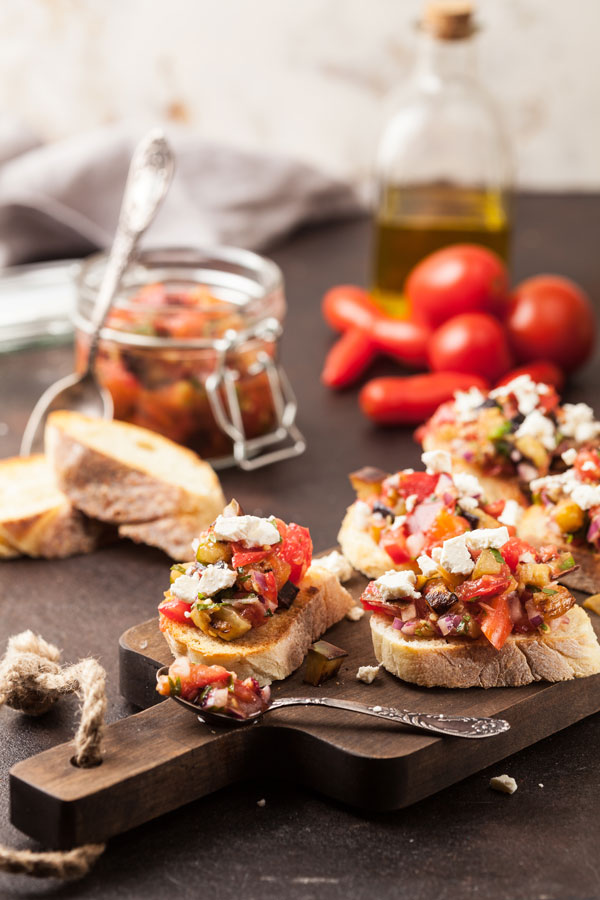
(308, 79)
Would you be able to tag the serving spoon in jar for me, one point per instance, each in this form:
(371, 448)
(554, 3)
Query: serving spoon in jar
(452, 726)
(148, 180)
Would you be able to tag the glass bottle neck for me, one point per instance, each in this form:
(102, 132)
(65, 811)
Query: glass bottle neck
(443, 61)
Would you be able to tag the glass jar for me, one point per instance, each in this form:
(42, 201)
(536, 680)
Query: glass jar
(444, 166)
(189, 349)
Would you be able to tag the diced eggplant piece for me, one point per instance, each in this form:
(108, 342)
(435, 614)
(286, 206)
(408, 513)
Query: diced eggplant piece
(438, 596)
(367, 481)
(568, 516)
(471, 519)
(228, 624)
(534, 451)
(553, 600)
(211, 551)
(383, 510)
(323, 661)
(536, 574)
(487, 564)
(287, 594)
(564, 564)
(177, 570)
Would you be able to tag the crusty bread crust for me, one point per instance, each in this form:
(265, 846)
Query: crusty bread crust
(569, 651)
(361, 551)
(275, 650)
(36, 519)
(494, 487)
(538, 528)
(174, 535)
(121, 473)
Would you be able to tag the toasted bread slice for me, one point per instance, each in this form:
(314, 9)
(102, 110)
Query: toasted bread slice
(495, 487)
(36, 518)
(122, 473)
(537, 527)
(568, 651)
(361, 551)
(174, 534)
(275, 650)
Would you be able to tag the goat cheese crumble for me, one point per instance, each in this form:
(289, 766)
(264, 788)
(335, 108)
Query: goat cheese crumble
(511, 514)
(250, 531)
(437, 461)
(578, 422)
(368, 674)
(336, 563)
(427, 566)
(393, 585)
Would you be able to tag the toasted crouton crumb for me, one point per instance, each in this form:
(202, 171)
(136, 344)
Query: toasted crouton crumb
(368, 674)
(355, 613)
(503, 783)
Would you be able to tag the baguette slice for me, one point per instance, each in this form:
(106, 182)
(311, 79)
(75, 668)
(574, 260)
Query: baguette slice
(275, 650)
(537, 527)
(569, 651)
(36, 519)
(361, 551)
(122, 473)
(174, 534)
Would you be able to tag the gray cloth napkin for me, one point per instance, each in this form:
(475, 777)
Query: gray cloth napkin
(62, 199)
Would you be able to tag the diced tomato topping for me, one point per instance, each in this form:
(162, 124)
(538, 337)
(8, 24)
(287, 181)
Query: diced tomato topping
(549, 400)
(446, 525)
(243, 557)
(512, 550)
(496, 624)
(393, 542)
(486, 586)
(176, 609)
(587, 465)
(296, 549)
(495, 509)
(546, 553)
(380, 606)
(420, 483)
(265, 585)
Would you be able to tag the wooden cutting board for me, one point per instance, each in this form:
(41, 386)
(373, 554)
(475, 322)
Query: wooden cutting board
(162, 758)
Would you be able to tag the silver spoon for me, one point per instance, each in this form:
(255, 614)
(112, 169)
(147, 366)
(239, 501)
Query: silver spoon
(148, 180)
(455, 726)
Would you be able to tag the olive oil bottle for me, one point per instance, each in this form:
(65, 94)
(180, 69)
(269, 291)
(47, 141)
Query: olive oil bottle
(443, 166)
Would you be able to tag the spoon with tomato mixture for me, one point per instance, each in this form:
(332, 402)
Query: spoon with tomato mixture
(219, 697)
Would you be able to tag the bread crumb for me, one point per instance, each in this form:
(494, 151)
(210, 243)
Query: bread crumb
(540, 785)
(593, 603)
(355, 613)
(503, 783)
(143, 645)
(261, 803)
(368, 674)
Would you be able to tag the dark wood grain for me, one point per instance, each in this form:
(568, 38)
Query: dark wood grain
(370, 764)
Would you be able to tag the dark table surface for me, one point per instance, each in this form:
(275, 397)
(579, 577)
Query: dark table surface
(467, 840)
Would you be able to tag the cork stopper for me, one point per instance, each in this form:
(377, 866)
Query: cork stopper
(449, 20)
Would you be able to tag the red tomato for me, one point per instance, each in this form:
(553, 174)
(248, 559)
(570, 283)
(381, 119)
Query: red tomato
(247, 557)
(543, 372)
(473, 343)
(551, 318)
(497, 624)
(587, 465)
(446, 526)
(347, 359)
(486, 586)
(394, 544)
(176, 610)
(296, 549)
(265, 585)
(496, 508)
(420, 483)
(512, 550)
(458, 279)
(347, 306)
(409, 401)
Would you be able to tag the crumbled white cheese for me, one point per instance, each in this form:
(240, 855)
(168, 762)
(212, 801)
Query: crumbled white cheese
(578, 422)
(485, 538)
(585, 495)
(568, 484)
(538, 426)
(455, 557)
(427, 566)
(186, 587)
(467, 485)
(195, 545)
(394, 585)
(437, 461)
(355, 613)
(361, 513)
(588, 466)
(527, 557)
(262, 803)
(436, 554)
(411, 502)
(503, 783)
(251, 531)
(368, 674)
(216, 578)
(398, 520)
(569, 456)
(467, 403)
(511, 514)
(336, 563)
(526, 391)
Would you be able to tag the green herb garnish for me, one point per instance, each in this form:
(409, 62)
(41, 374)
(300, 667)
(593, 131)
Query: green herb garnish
(568, 562)
(500, 431)
(497, 555)
(549, 591)
(175, 686)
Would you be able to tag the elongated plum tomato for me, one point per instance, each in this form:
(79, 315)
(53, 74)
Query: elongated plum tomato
(409, 401)
(542, 371)
(473, 343)
(458, 279)
(551, 318)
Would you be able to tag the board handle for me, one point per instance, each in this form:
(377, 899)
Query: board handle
(153, 762)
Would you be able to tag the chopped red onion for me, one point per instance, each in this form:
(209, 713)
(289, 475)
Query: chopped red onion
(409, 628)
(397, 624)
(409, 612)
(448, 624)
(423, 516)
(593, 530)
(533, 614)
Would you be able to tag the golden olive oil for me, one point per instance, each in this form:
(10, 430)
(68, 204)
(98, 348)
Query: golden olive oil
(413, 221)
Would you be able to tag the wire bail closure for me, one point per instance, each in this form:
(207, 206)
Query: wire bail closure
(247, 451)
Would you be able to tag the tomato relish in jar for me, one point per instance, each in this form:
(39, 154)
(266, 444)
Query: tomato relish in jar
(189, 349)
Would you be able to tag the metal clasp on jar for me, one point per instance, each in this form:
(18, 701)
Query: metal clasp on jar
(247, 451)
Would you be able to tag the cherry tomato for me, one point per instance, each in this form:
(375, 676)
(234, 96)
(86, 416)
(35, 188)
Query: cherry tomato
(486, 586)
(458, 279)
(411, 400)
(347, 306)
(474, 343)
(419, 484)
(512, 550)
(347, 359)
(176, 610)
(497, 624)
(551, 318)
(296, 549)
(242, 558)
(402, 339)
(394, 544)
(587, 465)
(543, 372)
